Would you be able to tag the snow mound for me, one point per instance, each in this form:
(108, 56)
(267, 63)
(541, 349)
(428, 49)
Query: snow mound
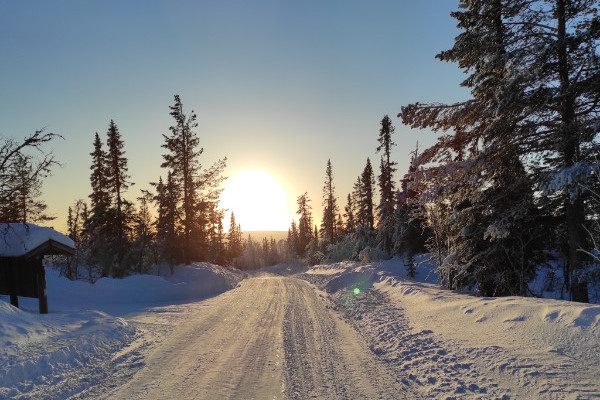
(470, 346)
(188, 283)
(35, 347)
(85, 328)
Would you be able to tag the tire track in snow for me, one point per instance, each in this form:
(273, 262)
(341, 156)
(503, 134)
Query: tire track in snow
(325, 358)
(436, 367)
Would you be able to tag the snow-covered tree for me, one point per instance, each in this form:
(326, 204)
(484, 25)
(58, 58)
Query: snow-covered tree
(481, 160)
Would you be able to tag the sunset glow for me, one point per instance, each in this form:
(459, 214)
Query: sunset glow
(258, 200)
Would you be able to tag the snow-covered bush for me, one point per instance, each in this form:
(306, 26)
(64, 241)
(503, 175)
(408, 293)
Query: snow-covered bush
(370, 254)
(341, 251)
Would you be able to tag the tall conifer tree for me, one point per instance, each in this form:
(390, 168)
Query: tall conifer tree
(304, 223)
(330, 207)
(386, 205)
(182, 160)
(363, 197)
(533, 75)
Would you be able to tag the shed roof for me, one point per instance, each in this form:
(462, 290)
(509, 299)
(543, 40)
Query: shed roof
(18, 240)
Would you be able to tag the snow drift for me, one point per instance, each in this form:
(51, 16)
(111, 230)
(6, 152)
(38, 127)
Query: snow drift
(86, 326)
(457, 343)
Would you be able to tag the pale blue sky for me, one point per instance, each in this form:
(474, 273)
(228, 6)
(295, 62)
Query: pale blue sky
(277, 85)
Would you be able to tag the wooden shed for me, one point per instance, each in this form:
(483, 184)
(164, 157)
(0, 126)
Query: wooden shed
(22, 249)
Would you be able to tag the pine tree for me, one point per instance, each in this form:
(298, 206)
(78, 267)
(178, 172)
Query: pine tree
(234, 238)
(166, 224)
(530, 76)
(98, 233)
(100, 196)
(144, 234)
(349, 215)
(198, 190)
(293, 239)
(363, 197)
(182, 160)
(330, 208)
(304, 224)
(117, 181)
(386, 205)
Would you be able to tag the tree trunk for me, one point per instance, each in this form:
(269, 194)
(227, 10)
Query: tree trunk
(575, 217)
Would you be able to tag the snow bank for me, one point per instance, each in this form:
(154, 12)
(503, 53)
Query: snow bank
(188, 283)
(88, 324)
(531, 347)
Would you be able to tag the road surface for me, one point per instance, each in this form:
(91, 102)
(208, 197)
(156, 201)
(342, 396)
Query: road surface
(272, 337)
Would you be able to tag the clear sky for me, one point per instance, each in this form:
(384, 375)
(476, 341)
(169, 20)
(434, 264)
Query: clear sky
(279, 86)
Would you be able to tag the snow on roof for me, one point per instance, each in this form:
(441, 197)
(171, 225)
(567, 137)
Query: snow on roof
(17, 240)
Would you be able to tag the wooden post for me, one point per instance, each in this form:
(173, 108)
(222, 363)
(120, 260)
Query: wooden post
(14, 300)
(41, 289)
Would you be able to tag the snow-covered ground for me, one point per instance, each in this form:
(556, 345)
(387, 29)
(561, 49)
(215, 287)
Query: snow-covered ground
(366, 328)
(72, 348)
(459, 345)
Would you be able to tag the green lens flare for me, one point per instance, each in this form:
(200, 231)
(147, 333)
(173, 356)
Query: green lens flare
(356, 290)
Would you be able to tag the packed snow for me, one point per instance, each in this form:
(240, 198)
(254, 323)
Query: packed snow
(409, 338)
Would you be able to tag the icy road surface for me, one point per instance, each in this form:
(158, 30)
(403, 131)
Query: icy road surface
(270, 338)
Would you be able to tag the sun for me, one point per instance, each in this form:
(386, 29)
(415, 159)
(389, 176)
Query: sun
(258, 200)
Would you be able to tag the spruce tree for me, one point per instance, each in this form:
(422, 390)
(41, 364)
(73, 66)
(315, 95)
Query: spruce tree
(293, 239)
(349, 215)
(98, 229)
(100, 196)
(116, 165)
(197, 190)
(182, 160)
(386, 205)
(117, 181)
(143, 234)
(330, 208)
(363, 197)
(532, 71)
(304, 223)
(234, 238)
(167, 235)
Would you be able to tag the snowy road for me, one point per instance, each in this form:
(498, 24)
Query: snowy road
(272, 337)
(307, 334)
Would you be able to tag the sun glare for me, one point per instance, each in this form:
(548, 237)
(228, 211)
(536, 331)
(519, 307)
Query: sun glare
(258, 200)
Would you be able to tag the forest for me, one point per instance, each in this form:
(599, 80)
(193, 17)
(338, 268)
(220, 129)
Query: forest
(511, 184)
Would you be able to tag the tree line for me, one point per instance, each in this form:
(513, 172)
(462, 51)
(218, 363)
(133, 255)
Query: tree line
(512, 181)
(115, 238)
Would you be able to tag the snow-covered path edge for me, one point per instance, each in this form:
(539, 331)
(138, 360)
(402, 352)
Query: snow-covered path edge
(461, 346)
(95, 331)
